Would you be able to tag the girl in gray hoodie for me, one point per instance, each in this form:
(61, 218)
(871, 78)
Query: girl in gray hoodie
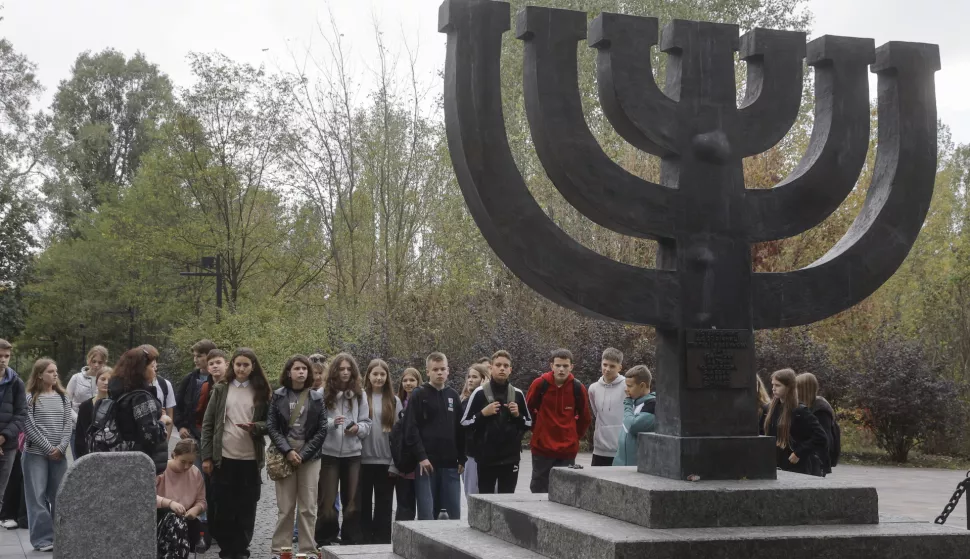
(376, 457)
(348, 424)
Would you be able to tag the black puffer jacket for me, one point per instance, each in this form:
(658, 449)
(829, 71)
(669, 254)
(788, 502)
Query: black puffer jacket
(315, 431)
(138, 418)
(808, 442)
(825, 415)
(13, 408)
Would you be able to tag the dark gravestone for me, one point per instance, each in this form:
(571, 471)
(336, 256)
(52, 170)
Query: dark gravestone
(703, 297)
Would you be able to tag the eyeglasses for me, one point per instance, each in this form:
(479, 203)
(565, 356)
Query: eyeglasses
(317, 359)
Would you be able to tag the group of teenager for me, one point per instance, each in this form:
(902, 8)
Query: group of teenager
(331, 427)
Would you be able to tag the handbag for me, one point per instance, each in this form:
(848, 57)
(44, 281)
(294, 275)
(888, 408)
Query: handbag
(277, 466)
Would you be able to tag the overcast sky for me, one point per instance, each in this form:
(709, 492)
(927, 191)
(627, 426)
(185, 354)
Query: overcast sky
(53, 32)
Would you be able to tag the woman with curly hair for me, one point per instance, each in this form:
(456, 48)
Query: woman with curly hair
(348, 421)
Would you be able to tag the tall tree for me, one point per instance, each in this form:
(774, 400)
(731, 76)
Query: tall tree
(101, 124)
(18, 159)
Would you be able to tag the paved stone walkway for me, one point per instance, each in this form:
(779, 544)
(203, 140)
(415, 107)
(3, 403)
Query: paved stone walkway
(919, 494)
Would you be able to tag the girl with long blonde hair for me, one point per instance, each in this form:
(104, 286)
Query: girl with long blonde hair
(376, 456)
(823, 412)
(799, 439)
(49, 422)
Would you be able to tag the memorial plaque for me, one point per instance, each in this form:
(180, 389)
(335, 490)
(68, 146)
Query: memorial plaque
(719, 358)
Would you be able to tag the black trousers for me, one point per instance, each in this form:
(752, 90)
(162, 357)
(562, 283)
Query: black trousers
(407, 507)
(506, 475)
(375, 521)
(541, 467)
(343, 474)
(602, 460)
(235, 493)
(14, 501)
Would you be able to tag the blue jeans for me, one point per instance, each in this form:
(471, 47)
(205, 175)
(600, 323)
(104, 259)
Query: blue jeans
(443, 486)
(42, 477)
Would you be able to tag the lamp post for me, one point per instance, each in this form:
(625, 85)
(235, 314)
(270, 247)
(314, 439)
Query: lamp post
(212, 266)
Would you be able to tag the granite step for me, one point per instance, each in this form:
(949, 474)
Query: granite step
(383, 551)
(653, 502)
(451, 539)
(559, 531)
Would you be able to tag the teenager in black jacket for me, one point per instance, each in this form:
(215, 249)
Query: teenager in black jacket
(800, 441)
(823, 412)
(432, 429)
(85, 412)
(497, 417)
(187, 394)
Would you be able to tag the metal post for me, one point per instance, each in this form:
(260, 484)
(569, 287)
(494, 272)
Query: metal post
(219, 281)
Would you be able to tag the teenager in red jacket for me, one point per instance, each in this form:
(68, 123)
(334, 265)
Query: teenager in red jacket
(560, 411)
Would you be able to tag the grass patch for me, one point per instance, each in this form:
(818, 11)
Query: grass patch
(859, 448)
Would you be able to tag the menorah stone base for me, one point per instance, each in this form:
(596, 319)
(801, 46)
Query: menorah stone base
(709, 458)
(531, 526)
(653, 502)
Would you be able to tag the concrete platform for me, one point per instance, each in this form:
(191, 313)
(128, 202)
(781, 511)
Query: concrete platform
(653, 502)
(359, 552)
(561, 532)
(450, 539)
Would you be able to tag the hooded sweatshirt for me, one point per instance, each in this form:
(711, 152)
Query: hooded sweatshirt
(338, 444)
(376, 447)
(81, 388)
(557, 426)
(638, 417)
(606, 403)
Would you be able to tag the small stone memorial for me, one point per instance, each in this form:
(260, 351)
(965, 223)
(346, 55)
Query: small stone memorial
(106, 508)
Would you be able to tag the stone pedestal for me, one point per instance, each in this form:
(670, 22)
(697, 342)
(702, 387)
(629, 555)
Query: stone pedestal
(609, 513)
(653, 502)
(710, 458)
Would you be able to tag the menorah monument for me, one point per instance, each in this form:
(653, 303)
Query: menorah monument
(702, 295)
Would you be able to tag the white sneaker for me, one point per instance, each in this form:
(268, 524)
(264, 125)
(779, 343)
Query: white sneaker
(48, 547)
(10, 524)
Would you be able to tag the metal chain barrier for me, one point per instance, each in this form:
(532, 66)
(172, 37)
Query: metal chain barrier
(954, 501)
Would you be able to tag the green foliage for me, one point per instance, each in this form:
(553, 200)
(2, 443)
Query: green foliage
(18, 159)
(341, 225)
(101, 124)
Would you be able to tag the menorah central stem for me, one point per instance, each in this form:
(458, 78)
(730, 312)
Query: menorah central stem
(706, 405)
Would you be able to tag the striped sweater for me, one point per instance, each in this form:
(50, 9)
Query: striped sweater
(49, 423)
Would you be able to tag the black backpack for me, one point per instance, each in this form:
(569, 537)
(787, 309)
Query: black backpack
(577, 397)
(404, 459)
(104, 434)
(172, 537)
